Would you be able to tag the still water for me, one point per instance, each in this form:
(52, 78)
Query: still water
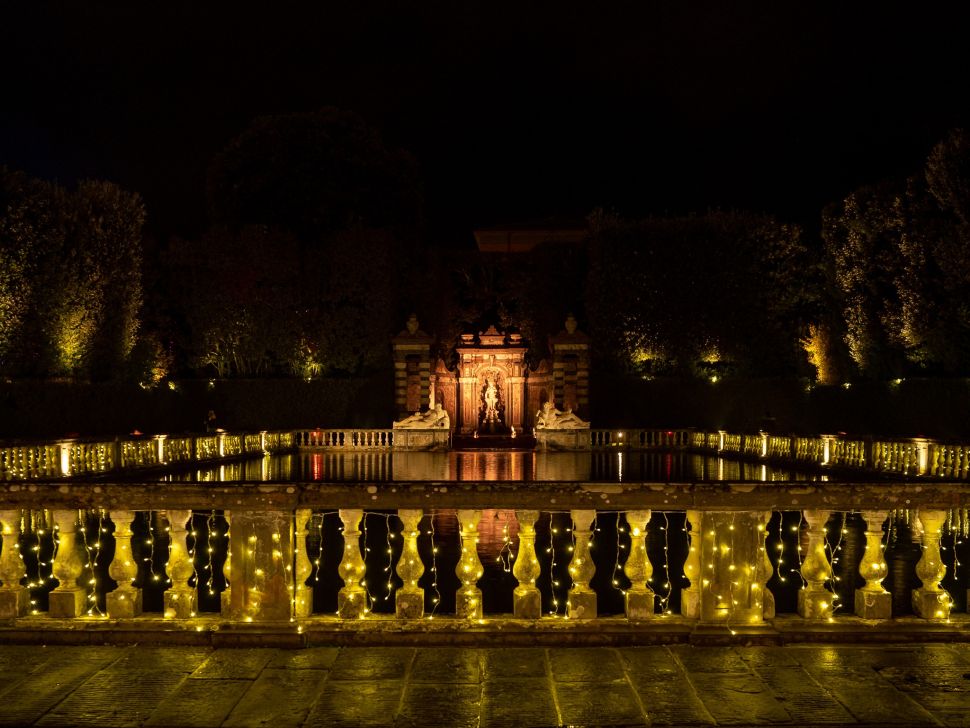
(522, 466)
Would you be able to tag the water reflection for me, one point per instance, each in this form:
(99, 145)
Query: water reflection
(490, 465)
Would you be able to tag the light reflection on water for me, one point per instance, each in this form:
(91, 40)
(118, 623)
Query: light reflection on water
(491, 465)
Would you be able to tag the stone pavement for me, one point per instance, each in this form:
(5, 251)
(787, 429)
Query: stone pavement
(405, 686)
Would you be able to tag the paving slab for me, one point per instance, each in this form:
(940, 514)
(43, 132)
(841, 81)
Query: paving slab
(802, 696)
(739, 699)
(234, 664)
(198, 704)
(508, 662)
(312, 658)
(27, 701)
(278, 697)
(650, 663)
(510, 703)
(585, 664)
(372, 663)
(671, 700)
(710, 659)
(447, 665)
(454, 705)
(125, 693)
(599, 703)
(351, 704)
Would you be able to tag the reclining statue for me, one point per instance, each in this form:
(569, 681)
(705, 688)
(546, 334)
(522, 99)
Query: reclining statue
(550, 418)
(432, 419)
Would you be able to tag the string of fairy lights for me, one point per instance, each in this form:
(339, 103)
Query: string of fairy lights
(39, 536)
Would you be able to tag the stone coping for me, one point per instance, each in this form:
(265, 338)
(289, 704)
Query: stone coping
(539, 495)
(496, 630)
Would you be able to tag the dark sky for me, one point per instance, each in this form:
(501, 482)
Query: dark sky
(515, 110)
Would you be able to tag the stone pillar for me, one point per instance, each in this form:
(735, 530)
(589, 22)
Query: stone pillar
(582, 599)
(14, 598)
(409, 599)
(352, 598)
(526, 599)
(814, 600)
(764, 571)
(690, 598)
(180, 598)
(68, 599)
(872, 601)
(730, 564)
(930, 601)
(570, 368)
(261, 559)
(125, 601)
(468, 601)
(412, 350)
(302, 594)
(639, 599)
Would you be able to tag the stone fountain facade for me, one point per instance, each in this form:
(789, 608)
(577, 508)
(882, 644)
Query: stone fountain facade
(492, 390)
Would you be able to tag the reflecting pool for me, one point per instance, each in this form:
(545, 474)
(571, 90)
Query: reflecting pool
(487, 465)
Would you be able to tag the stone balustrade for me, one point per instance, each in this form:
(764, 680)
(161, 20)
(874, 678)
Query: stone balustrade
(66, 458)
(352, 439)
(914, 457)
(641, 439)
(730, 551)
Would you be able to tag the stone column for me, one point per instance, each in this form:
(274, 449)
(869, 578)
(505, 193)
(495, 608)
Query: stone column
(872, 601)
(352, 598)
(302, 594)
(68, 599)
(930, 601)
(639, 599)
(125, 601)
(690, 598)
(261, 567)
(14, 598)
(814, 600)
(468, 601)
(181, 600)
(468, 404)
(582, 599)
(409, 599)
(526, 600)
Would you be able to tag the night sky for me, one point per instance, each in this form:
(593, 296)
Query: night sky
(515, 110)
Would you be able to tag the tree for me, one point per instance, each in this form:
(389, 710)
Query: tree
(700, 294)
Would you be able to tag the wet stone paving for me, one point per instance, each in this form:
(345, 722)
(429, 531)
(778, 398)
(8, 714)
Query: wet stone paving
(443, 686)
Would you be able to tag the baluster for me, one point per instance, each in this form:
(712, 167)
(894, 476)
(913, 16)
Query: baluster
(764, 570)
(468, 601)
(68, 599)
(872, 601)
(930, 601)
(352, 598)
(409, 599)
(814, 600)
(180, 598)
(690, 598)
(225, 601)
(526, 600)
(582, 599)
(639, 599)
(14, 598)
(125, 601)
(302, 594)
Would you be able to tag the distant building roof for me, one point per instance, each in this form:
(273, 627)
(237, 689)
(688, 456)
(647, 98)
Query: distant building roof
(523, 237)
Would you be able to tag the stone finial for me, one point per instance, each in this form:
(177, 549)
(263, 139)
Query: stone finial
(571, 324)
(412, 324)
